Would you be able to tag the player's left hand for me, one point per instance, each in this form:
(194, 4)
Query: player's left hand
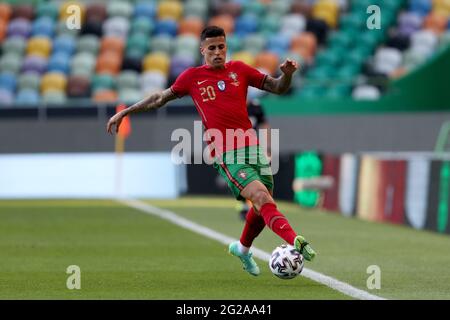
(288, 67)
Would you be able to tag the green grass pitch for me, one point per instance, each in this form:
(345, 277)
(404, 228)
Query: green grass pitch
(126, 254)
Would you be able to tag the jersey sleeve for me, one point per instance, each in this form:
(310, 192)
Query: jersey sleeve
(182, 84)
(255, 78)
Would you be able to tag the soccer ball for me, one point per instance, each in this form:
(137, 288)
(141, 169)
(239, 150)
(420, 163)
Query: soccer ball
(286, 262)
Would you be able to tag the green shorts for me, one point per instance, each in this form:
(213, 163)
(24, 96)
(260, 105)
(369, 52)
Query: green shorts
(241, 166)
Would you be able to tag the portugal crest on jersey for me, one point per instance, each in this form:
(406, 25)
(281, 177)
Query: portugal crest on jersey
(233, 77)
(221, 85)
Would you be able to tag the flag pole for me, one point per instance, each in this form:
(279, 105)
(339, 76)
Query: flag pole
(119, 148)
(123, 132)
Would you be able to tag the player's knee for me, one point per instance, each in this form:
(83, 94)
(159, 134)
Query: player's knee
(261, 197)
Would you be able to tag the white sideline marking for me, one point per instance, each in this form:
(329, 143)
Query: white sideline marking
(335, 284)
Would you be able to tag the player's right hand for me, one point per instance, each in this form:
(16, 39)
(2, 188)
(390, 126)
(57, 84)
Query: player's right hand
(115, 120)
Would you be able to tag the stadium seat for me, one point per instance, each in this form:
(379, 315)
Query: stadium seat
(352, 21)
(254, 43)
(33, 63)
(234, 44)
(54, 97)
(128, 80)
(53, 81)
(387, 60)
(245, 57)
(152, 81)
(366, 92)
(19, 27)
(78, 87)
(246, 24)
(29, 80)
(424, 40)
(196, 8)
(119, 9)
(338, 91)
(412, 58)
(179, 64)
(292, 24)
(96, 12)
(161, 43)
(103, 82)
(305, 44)
(435, 22)
(187, 44)
(279, 43)
(43, 26)
(226, 22)
(83, 63)
(129, 96)
(59, 62)
(116, 27)
(64, 44)
(170, 10)
(141, 24)
(109, 62)
(88, 43)
(254, 7)
(166, 27)
(25, 11)
(157, 61)
(6, 97)
(191, 25)
(47, 9)
(10, 63)
(267, 61)
(8, 81)
(39, 46)
(421, 7)
(270, 24)
(112, 44)
(105, 96)
(301, 7)
(14, 45)
(5, 12)
(226, 7)
(27, 97)
(144, 9)
(278, 7)
(3, 30)
(137, 45)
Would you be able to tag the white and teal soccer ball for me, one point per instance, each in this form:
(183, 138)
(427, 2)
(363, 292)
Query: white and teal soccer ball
(286, 262)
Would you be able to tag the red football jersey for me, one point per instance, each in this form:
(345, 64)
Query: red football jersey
(220, 96)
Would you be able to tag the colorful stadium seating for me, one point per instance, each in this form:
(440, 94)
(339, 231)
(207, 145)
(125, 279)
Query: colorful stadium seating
(128, 48)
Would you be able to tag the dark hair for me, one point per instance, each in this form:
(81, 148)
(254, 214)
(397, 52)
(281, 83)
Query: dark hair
(212, 32)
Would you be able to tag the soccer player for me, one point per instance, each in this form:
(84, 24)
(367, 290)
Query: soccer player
(258, 119)
(219, 91)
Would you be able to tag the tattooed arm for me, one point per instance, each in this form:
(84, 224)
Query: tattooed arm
(154, 101)
(281, 84)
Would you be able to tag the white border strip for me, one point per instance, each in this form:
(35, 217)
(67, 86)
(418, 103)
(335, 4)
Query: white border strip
(335, 284)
